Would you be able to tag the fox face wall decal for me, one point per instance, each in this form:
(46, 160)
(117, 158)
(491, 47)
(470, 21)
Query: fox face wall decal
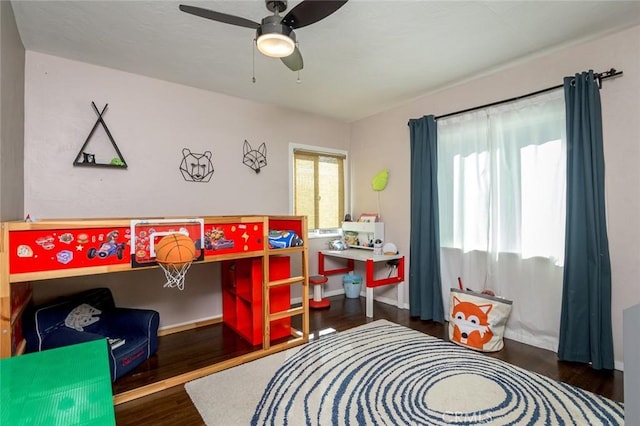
(255, 159)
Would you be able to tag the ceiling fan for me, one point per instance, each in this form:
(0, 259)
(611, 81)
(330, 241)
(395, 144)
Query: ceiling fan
(274, 35)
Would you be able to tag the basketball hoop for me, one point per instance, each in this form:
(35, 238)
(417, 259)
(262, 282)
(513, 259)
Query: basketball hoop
(175, 253)
(175, 274)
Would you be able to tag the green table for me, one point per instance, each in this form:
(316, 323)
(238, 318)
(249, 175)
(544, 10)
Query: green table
(63, 386)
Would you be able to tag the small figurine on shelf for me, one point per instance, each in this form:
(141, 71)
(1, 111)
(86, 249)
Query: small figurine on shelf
(377, 247)
(88, 158)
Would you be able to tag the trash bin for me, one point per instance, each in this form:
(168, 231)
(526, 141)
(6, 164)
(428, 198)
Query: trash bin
(352, 284)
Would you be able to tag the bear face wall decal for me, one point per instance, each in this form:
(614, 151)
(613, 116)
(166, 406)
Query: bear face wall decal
(196, 167)
(255, 159)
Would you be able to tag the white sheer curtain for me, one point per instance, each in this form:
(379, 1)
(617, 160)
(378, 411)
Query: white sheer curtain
(501, 179)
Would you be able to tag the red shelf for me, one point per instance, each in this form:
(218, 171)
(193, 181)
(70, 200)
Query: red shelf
(242, 297)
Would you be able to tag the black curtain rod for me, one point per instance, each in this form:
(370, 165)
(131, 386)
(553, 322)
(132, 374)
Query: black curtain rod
(599, 77)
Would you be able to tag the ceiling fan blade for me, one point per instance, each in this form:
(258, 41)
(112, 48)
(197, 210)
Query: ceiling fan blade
(308, 12)
(293, 61)
(220, 17)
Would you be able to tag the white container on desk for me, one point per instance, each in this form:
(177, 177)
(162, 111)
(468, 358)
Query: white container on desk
(366, 232)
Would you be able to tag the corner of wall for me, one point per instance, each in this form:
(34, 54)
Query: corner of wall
(12, 64)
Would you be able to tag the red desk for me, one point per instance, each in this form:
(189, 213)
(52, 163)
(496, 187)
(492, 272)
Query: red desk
(367, 256)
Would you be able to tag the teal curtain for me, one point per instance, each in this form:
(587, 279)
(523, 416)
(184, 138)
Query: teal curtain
(425, 290)
(585, 323)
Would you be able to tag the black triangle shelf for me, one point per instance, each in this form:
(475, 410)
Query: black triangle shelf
(84, 159)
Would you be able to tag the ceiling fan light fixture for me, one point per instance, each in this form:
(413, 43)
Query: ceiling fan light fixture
(275, 45)
(274, 34)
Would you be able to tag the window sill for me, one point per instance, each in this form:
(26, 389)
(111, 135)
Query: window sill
(324, 234)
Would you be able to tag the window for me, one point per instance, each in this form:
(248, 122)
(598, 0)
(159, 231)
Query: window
(501, 177)
(501, 194)
(319, 187)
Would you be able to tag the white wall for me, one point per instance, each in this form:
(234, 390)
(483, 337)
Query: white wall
(383, 141)
(631, 320)
(152, 121)
(12, 60)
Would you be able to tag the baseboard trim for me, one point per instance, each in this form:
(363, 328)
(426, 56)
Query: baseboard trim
(177, 328)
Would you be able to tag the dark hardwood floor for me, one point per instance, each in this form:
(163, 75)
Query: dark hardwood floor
(185, 351)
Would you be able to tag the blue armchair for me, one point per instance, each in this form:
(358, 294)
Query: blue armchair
(92, 315)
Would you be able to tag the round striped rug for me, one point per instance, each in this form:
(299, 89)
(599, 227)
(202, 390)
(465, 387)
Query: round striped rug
(386, 374)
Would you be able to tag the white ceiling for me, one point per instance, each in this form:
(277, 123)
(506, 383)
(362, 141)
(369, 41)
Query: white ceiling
(367, 57)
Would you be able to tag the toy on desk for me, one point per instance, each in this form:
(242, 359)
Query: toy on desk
(338, 244)
(351, 238)
(389, 249)
(377, 247)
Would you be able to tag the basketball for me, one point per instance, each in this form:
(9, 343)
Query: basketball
(175, 250)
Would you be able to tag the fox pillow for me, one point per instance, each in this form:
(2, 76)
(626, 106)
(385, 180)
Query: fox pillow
(477, 321)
